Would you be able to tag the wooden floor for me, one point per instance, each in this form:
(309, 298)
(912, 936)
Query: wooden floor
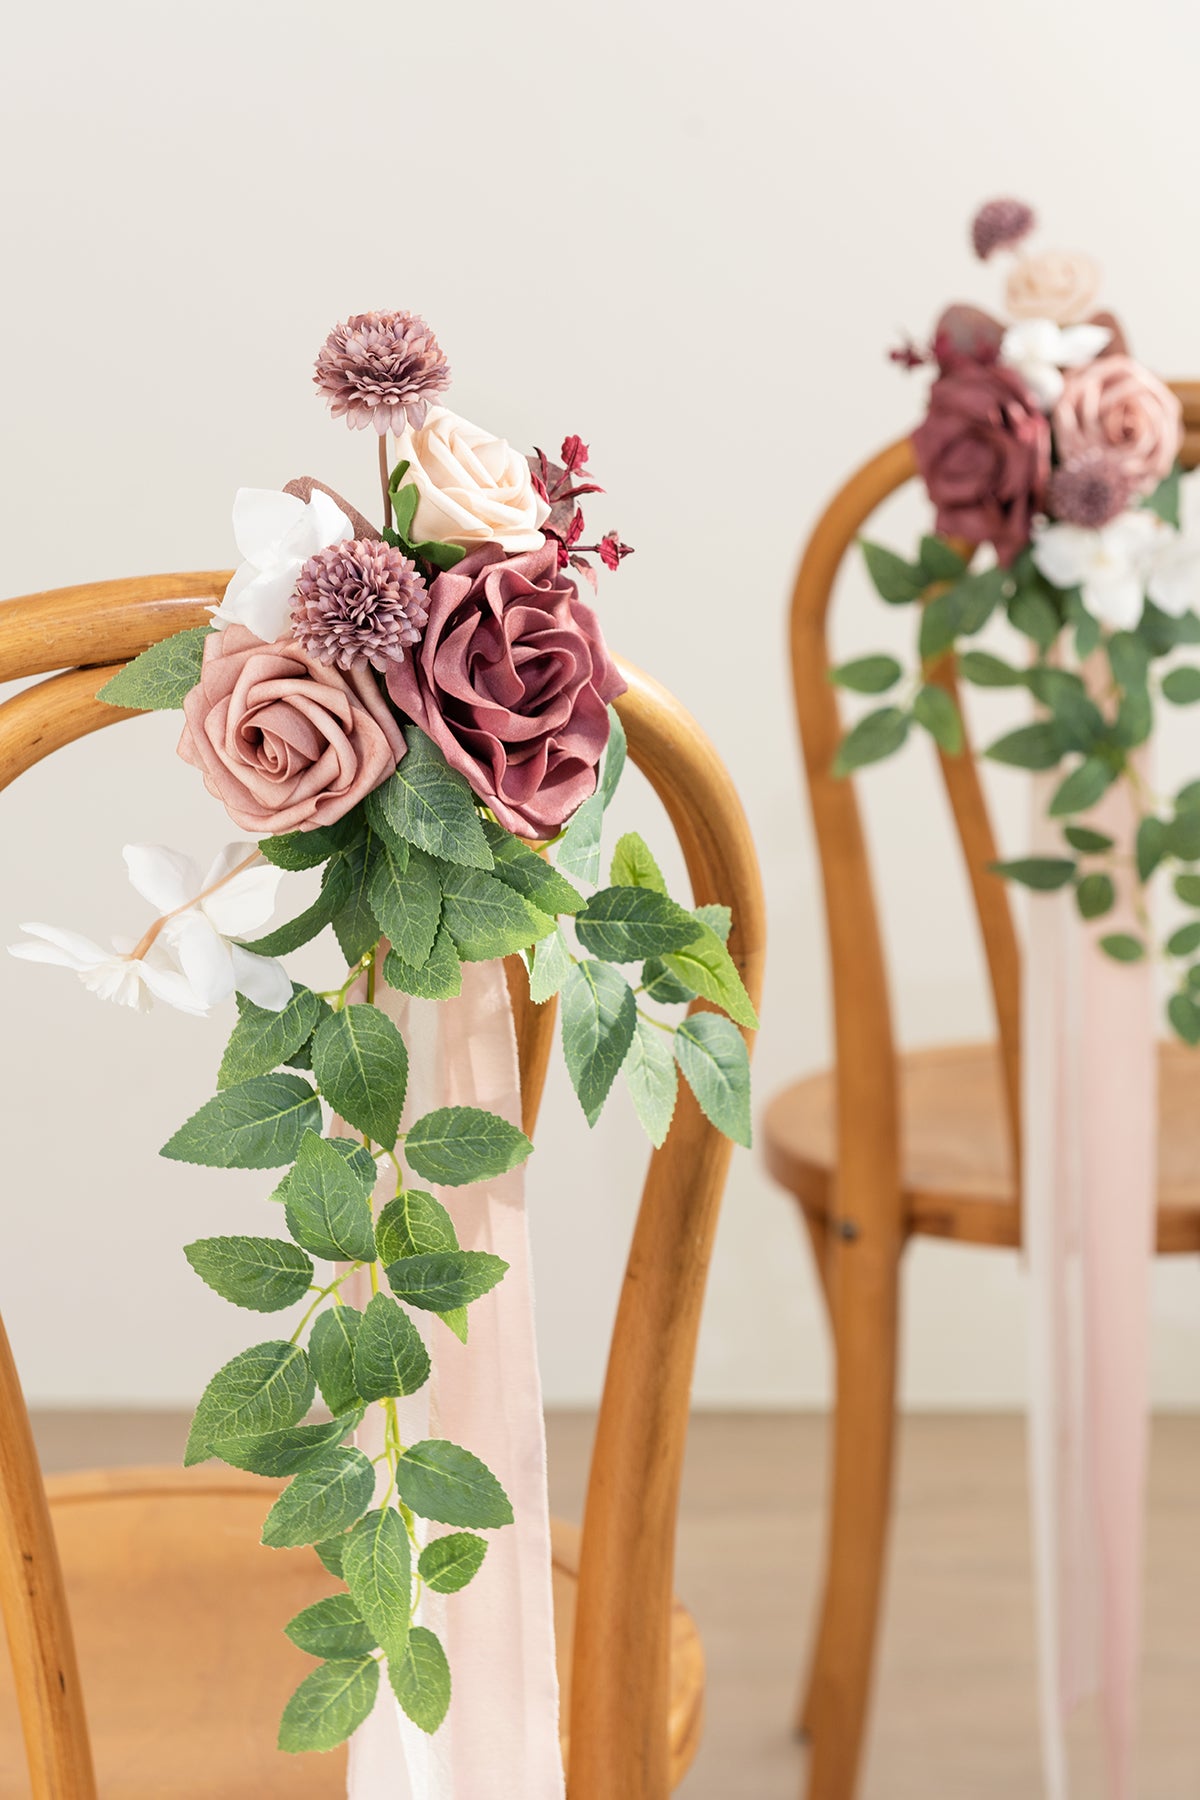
(955, 1715)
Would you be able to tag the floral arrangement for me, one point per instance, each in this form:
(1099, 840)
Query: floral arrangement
(424, 713)
(1049, 447)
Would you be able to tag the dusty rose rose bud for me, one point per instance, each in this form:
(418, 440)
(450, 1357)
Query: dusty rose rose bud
(999, 225)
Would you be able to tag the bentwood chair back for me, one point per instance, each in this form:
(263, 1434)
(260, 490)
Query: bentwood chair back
(633, 1686)
(887, 1144)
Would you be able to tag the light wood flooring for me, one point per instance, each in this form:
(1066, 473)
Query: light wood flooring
(955, 1716)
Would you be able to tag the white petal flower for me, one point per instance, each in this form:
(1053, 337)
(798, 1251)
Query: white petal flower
(114, 976)
(1038, 349)
(1111, 566)
(1174, 582)
(276, 534)
(229, 902)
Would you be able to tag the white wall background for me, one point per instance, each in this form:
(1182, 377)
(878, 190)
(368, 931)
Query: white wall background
(688, 232)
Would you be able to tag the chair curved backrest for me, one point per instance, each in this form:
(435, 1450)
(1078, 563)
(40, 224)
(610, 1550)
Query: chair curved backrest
(869, 1158)
(620, 1686)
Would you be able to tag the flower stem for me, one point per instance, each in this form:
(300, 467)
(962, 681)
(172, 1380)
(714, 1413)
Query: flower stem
(383, 480)
(140, 948)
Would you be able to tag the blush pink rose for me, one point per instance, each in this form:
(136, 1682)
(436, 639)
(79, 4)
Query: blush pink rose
(984, 454)
(512, 681)
(283, 741)
(1117, 406)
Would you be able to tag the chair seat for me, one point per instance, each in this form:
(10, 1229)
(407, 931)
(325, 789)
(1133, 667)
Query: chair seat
(956, 1168)
(178, 1613)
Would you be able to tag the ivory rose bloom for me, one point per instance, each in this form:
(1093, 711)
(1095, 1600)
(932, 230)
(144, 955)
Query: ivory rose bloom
(1117, 406)
(473, 488)
(284, 741)
(1053, 284)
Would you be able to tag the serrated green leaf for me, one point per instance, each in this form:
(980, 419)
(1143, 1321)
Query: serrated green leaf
(627, 924)
(1129, 660)
(649, 1071)
(633, 865)
(328, 1207)
(717, 917)
(261, 1040)
(550, 966)
(530, 874)
(1166, 497)
(1188, 796)
(1041, 873)
(408, 904)
(1186, 939)
(454, 1145)
(1184, 1015)
(1135, 719)
(438, 978)
(661, 985)
(1083, 787)
(577, 852)
(982, 669)
(354, 923)
(306, 849)
(329, 1705)
(880, 734)
(361, 1065)
(935, 711)
(428, 804)
(941, 622)
(256, 1124)
(321, 1501)
(1182, 686)
(357, 1155)
(1034, 615)
(707, 967)
(332, 1628)
(1030, 747)
(331, 1354)
(1082, 837)
(1151, 846)
(263, 1389)
(1188, 889)
(614, 757)
(939, 561)
(377, 1568)
(277, 1453)
(448, 1563)
(1183, 834)
(1123, 947)
(335, 890)
(162, 677)
(330, 1554)
(1095, 895)
(712, 1054)
(421, 1680)
(390, 1357)
(486, 917)
(442, 1481)
(599, 1015)
(864, 675)
(443, 1280)
(262, 1274)
(413, 1224)
(894, 580)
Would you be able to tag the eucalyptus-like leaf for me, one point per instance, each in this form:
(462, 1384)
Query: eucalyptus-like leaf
(256, 1124)
(1082, 837)
(1095, 895)
(1182, 686)
(361, 1064)
(263, 1274)
(1184, 1015)
(1185, 940)
(263, 1389)
(1123, 947)
(442, 1481)
(1036, 746)
(454, 1145)
(982, 669)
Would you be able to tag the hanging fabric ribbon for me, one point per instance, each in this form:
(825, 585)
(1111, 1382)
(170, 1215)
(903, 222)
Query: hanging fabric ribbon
(500, 1737)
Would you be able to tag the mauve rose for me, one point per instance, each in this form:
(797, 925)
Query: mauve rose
(984, 454)
(511, 680)
(283, 741)
(1116, 405)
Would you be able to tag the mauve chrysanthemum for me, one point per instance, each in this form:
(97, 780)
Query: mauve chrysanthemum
(999, 225)
(1089, 491)
(359, 602)
(381, 369)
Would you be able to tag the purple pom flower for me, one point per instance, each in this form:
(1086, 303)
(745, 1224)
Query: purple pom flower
(359, 602)
(1089, 491)
(381, 369)
(1000, 225)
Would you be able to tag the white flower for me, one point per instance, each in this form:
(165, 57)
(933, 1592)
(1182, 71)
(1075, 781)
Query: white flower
(202, 916)
(473, 488)
(109, 973)
(1174, 579)
(276, 534)
(1112, 565)
(1038, 349)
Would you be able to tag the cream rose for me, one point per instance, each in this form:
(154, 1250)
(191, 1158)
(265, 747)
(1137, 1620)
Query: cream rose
(1055, 284)
(474, 488)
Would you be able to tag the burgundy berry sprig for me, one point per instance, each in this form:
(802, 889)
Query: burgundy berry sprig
(561, 485)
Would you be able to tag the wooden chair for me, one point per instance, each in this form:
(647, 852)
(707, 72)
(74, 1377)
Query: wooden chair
(890, 1144)
(144, 1618)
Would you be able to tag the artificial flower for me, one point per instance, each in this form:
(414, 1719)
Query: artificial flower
(1090, 490)
(1116, 405)
(361, 602)
(381, 369)
(202, 917)
(966, 331)
(1053, 284)
(512, 681)
(1000, 225)
(1039, 350)
(276, 534)
(284, 741)
(1111, 566)
(472, 488)
(984, 454)
(114, 974)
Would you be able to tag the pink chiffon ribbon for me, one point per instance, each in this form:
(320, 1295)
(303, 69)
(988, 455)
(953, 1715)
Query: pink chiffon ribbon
(1089, 1183)
(500, 1737)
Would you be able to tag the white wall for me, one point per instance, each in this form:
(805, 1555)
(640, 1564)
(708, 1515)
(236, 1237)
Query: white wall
(687, 231)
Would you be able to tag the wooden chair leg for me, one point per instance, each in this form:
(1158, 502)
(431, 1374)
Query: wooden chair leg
(864, 1286)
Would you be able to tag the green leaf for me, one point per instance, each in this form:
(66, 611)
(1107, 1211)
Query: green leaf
(328, 1205)
(1135, 719)
(444, 1279)
(1182, 686)
(718, 917)
(649, 1071)
(361, 1066)
(1077, 721)
(305, 849)
(599, 1015)
(438, 978)
(331, 1354)
(407, 901)
(894, 580)
(276, 1453)
(1082, 837)
(263, 1389)
(1188, 796)
(978, 597)
(486, 917)
(1183, 834)
(390, 1357)
(1082, 787)
(332, 1628)
(421, 1681)
(413, 1224)
(1129, 660)
(1165, 499)
(661, 985)
(354, 923)
(1122, 947)
(578, 850)
(550, 968)
(633, 865)
(377, 1568)
(1030, 747)
(712, 1054)
(1152, 837)
(878, 735)
(627, 924)
(982, 669)
(940, 561)
(1034, 615)
(1042, 873)
(866, 675)
(357, 1155)
(329, 1705)
(404, 505)
(429, 805)
(454, 1145)
(263, 1274)
(1184, 1015)
(934, 708)
(530, 874)
(614, 757)
(1188, 889)
(256, 1124)
(161, 677)
(321, 1501)
(1095, 895)
(1185, 940)
(941, 622)
(447, 1564)
(330, 1554)
(707, 967)
(261, 1040)
(442, 1481)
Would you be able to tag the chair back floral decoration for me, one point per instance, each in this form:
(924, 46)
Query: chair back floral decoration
(423, 713)
(1047, 443)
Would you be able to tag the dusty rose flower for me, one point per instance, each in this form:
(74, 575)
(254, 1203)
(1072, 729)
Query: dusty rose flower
(984, 454)
(1116, 405)
(512, 681)
(381, 369)
(360, 602)
(282, 740)
(1053, 284)
(1089, 491)
(1000, 225)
